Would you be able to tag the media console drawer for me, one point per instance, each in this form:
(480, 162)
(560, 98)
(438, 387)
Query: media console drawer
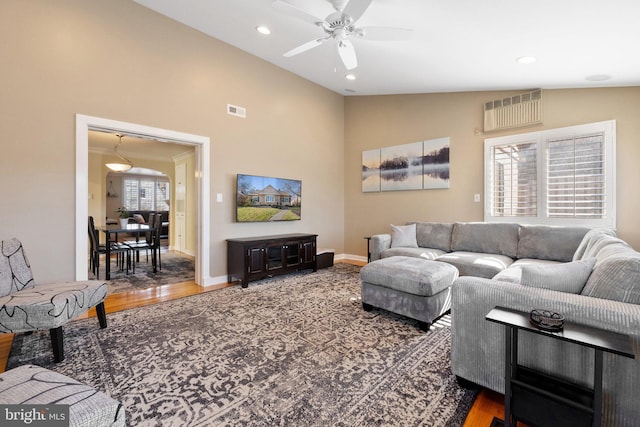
(255, 258)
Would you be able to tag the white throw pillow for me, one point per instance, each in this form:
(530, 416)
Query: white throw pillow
(403, 236)
(567, 277)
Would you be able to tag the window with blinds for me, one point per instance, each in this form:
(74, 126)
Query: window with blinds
(576, 177)
(146, 194)
(560, 176)
(514, 180)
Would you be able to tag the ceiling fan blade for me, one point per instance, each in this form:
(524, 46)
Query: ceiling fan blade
(347, 54)
(295, 12)
(385, 33)
(356, 8)
(306, 46)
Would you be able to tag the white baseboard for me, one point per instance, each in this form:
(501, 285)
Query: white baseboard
(350, 257)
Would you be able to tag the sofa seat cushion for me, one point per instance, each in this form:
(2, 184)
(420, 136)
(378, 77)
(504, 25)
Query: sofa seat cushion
(513, 273)
(49, 306)
(33, 385)
(424, 253)
(477, 264)
(410, 275)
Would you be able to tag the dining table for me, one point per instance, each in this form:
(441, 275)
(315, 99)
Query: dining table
(111, 232)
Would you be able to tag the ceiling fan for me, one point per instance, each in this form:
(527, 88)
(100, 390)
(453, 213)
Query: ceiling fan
(340, 26)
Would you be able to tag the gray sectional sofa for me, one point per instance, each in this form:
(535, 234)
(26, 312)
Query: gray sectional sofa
(590, 276)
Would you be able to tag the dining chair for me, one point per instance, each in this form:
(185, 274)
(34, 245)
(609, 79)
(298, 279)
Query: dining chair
(97, 249)
(157, 232)
(150, 243)
(145, 244)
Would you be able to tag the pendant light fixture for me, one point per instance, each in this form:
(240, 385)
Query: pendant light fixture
(119, 167)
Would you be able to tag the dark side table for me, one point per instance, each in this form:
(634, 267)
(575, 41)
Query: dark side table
(543, 400)
(368, 238)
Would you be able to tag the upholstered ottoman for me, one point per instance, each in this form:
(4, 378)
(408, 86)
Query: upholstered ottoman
(32, 385)
(413, 287)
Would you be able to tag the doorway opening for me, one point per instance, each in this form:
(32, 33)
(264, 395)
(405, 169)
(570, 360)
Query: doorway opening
(201, 145)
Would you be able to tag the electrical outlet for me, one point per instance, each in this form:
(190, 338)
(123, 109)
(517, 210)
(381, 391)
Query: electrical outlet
(476, 198)
(219, 197)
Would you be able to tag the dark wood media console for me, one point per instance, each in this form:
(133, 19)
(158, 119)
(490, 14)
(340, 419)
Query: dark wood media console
(255, 258)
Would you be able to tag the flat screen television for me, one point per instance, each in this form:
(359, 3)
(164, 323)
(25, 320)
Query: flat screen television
(264, 199)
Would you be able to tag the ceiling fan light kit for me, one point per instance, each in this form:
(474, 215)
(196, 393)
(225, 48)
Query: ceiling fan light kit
(340, 26)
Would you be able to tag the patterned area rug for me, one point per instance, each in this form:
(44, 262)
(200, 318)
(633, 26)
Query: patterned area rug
(176, 268)
(290, 351)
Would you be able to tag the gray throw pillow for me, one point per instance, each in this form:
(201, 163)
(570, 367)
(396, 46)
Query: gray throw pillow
(567, 277)
(403, 236)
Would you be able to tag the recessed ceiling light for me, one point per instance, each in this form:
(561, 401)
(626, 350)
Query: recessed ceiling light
(598, 77)
(350, 77)
(263, 30)
(526, 60)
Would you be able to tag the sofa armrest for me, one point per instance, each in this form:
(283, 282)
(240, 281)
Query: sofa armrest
(379, 243)
(477, 352)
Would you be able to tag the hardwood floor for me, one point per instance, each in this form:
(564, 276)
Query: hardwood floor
(487, 405)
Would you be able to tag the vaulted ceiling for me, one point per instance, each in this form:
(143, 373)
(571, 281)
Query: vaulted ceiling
(454, 45)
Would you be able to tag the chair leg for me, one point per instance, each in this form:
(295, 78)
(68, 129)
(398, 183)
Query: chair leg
(56, 344)
(102, 315)
(96, 265)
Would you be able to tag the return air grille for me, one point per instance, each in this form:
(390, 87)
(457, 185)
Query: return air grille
(520, 110)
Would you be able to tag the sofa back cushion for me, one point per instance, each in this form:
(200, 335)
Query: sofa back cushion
(548, 242)
(15, 271)
(492, 238)
(434, 235)
(615, 278)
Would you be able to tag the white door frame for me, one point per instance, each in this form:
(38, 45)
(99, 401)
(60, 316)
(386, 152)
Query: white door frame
(202, 174)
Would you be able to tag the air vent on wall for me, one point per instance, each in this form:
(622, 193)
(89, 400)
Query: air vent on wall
(516, 111)
(234, 110)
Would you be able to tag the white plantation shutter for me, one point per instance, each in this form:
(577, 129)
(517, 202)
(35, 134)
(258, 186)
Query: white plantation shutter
(560, 176)
(514, 180)
(576, 177)
(131, 194)
(146, 194)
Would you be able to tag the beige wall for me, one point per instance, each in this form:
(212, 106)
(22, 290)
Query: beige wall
(380, 121)
(117, 60)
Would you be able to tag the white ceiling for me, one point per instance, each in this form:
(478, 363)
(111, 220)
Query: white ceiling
(457, 45)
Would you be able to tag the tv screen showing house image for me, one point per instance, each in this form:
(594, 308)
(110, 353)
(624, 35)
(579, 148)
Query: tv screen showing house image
(263, 199)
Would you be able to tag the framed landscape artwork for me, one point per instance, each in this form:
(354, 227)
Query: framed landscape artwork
(414, 166)
(371, 171)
